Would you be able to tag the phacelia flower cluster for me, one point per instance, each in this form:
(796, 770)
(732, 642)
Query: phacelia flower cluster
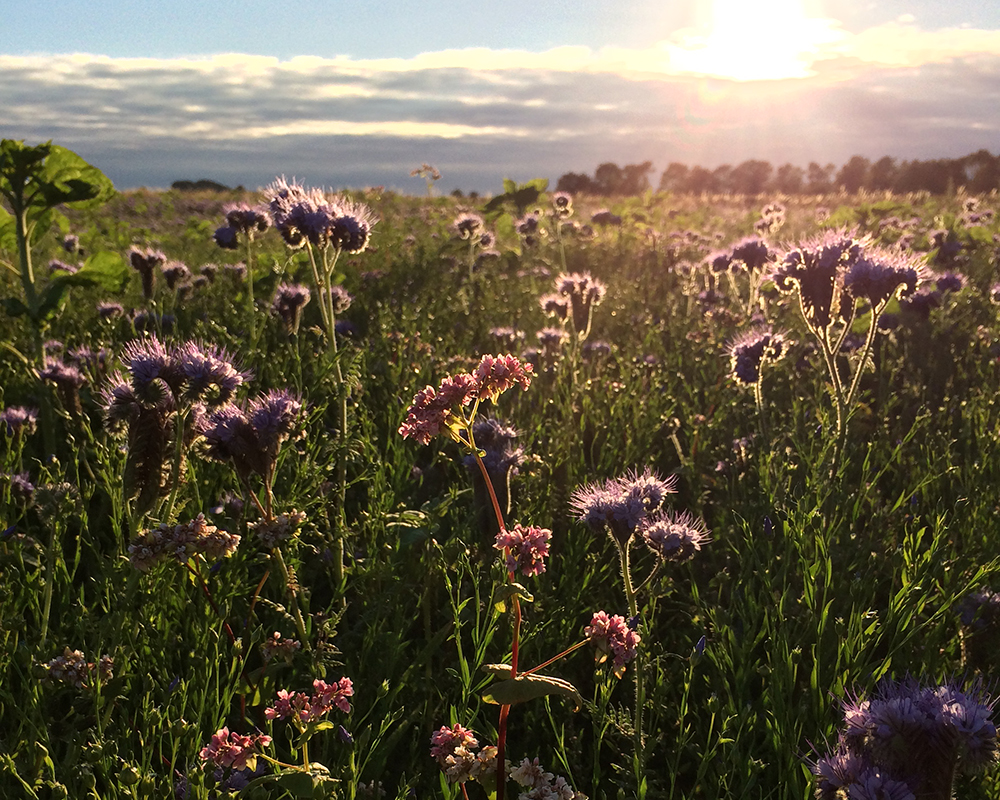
(310, 216)
(831, 273)
(234, 750)
(18, 421)
(674, 536)
(146, 261)
(303, 708)
(434, 410)
(73, 668)
(454, 749)
(290, 299)
(250, 436)
(583, 292)
(909, 741)
(525, 548)
(180, 543)
(750, 351)
(241, 220)
(619, 505)
(613, 636)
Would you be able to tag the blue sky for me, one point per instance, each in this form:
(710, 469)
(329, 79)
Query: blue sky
(359, 93)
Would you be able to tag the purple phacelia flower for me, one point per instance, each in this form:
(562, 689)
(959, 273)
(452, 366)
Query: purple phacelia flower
(751, 350)
(619, 505)
(18, 420)
(675, 536)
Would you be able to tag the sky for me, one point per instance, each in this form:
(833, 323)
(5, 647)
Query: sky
(345, 93)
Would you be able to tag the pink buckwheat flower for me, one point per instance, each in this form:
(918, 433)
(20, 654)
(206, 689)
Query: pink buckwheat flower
(612, 635)
(496, 374)
(526, 548)
(233, 749)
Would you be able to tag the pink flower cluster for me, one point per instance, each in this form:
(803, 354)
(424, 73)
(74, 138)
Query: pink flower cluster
(454, 750)
(526, 548)
(233, 749)
(433, 409)
(613, 635)
(305, 708)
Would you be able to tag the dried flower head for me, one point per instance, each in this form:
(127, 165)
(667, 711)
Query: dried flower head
(180, 543)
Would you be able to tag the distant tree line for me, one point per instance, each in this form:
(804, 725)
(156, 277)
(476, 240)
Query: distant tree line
(978, 172)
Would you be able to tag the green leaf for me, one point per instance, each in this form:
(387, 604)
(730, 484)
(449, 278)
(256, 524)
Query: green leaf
(509, 187)
(8, 231)
(68, 178)
(297, 784)
(510, 692)
(13, 306)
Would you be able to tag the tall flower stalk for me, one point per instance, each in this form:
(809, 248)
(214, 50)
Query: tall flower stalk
(629, 509)
(326, 226)
(833, 278)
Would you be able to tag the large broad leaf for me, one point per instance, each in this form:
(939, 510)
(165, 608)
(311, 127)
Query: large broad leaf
(68, 178)
(509, 692)
(104, 269)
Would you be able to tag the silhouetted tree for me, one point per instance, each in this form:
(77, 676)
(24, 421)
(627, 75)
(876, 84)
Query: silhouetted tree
(818, 179)
(751, 177)
(699, 180)
(789, 179)
(853, 176)
(608, 178)
(982, 171)
(674, 177)
(635, 178)
(883, 174)
(576, 183)
(721, 176)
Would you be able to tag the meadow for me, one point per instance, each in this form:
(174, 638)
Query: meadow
(294, 481)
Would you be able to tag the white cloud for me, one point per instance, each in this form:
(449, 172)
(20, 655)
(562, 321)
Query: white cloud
(501, 112)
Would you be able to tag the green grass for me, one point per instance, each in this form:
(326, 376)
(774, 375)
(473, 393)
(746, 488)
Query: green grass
(814, 586)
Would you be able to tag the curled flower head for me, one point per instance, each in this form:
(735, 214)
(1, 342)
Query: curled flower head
(752, 254)
(815, 271)
(468, 226)
(562, 203)
(174, 273)
(750, 351)
(289, 301)
(209, 374)
(881, 274)
(145, 261)
(612, 635)
(673, 536)
(526, 548)
(245, 219)
(340, 299)
(555, 305)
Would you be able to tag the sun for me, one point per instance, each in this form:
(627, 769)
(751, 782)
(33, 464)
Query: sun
(754, 41)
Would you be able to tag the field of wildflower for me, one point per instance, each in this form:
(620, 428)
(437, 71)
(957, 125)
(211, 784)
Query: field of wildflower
(308, 494)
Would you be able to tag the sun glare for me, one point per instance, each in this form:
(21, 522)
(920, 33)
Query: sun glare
(766, 40)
